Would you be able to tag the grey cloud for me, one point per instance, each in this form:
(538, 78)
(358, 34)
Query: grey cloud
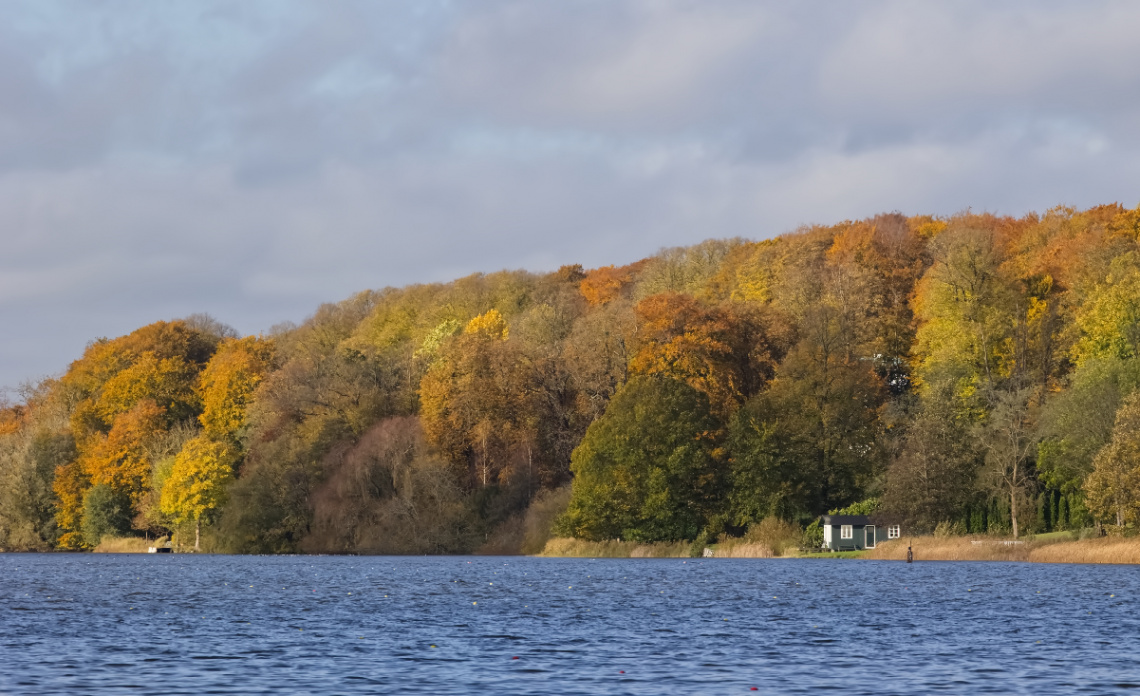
(253, 159)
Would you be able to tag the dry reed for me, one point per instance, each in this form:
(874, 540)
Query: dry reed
(1108, 550)
(737, 548)
(768, 538)
(123, 545)
(614, 548)
(975, 548)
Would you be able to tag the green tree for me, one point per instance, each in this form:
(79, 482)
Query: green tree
(810, 442)
(1113, 487)
(650, 468)
(105, 511)
(1077, 421)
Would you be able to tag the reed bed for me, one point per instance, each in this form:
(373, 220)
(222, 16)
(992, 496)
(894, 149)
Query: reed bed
(123, 545)
(1045, 549)
(975, 548)
(580, 548)
(743, 549)
(768, 538)
(1106, 550)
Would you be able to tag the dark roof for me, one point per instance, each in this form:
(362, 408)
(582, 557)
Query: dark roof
(858, 520)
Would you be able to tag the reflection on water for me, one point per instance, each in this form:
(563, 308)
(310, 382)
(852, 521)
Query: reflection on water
(244, 625)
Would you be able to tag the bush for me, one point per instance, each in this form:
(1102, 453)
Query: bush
(104, 512)
(812, 537)
(864, 507)
(697, 548)
(774, 533)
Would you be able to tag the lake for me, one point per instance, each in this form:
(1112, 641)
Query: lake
(183, 624)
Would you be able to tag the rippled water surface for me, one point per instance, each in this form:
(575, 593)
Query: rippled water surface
(89, 624)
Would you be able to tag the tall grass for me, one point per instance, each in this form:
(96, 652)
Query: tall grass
(972, 548)
(580, 548)
(767, 538)
(110, 544)
(1108, 550)
(1046, 548)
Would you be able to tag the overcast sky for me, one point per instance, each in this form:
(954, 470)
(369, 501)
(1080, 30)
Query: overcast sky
(254, 159)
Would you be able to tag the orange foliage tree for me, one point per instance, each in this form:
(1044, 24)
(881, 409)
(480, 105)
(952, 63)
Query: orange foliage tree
(602, 285)
(228, 383)
(727, 352)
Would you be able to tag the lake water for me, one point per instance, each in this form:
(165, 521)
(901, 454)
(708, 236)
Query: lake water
(95, 624)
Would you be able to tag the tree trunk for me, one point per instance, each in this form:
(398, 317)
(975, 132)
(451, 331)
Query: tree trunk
(1013, 510)
(198, 533)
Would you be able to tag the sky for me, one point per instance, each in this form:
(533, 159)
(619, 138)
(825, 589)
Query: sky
(254, 159)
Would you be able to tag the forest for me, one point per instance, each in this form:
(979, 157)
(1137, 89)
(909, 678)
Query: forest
(974, 374)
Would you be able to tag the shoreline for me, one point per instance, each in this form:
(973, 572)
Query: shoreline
(1103, 550)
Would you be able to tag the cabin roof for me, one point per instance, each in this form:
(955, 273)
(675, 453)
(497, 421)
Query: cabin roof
(857, 520)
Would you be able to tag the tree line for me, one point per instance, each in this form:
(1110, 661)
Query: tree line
(976, 373)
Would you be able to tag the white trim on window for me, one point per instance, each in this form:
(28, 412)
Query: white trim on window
(894, 532)
(846, 532)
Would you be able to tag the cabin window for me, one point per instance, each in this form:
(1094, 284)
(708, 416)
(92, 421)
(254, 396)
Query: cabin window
(845, 532)
(893, 532)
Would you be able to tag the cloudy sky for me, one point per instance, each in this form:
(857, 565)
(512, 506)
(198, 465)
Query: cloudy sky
(254, 159)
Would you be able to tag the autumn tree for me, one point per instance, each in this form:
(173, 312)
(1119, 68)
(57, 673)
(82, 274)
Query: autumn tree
(932, 477)
(1109, 320)
(685, 270)
(389, 494)
(886, 256)
(474, 404)
(227, 385)
(608, 283)
(728, 352)
(197, 483)
(966, 304)
(34, 442)
(597, 354)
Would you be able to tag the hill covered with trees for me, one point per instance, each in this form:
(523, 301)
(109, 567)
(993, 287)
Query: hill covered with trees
(977, 372)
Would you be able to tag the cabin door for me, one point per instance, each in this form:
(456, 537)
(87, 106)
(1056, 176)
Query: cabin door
(870, 531)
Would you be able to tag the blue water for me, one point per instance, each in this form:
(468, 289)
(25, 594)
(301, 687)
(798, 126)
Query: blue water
(96, 624)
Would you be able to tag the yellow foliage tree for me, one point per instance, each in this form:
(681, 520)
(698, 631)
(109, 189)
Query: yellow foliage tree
(1110, 319)
(197, 483)
(166, 381)
(69, 485)
(228, 383)
(490, 324)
